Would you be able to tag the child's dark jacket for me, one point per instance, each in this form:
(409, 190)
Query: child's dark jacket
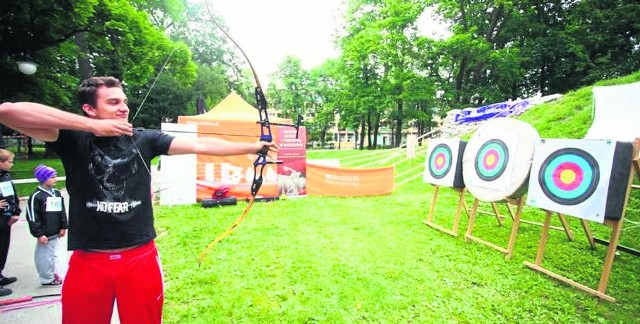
(46, 213)
(13, 201)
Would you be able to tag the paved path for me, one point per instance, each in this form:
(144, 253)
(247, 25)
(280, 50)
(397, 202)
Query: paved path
(20, 264)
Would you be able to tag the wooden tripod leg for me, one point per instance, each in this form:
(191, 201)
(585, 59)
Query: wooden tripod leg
(509, 210)
(461, 203)
(466, 209)
(543, 238)
(472, 219)
(566, 227)
(497, 213)
(464, 203)
(587, 231)
(433, 205)
(611, 254)
(537, 266)
(514, 229)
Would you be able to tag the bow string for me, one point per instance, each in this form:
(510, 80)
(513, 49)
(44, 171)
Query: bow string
(265, 136)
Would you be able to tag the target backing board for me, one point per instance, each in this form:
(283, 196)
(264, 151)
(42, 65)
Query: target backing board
(497, 159)
(443, 165)
(583, 178)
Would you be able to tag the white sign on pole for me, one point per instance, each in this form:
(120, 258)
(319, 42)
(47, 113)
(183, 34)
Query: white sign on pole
(178, 173)
(412, 141)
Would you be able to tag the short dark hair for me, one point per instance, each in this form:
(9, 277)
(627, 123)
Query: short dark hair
(89, 87)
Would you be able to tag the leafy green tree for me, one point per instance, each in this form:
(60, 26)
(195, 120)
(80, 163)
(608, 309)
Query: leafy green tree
(483, 64)
(163, 13)
(290, 90)
(362, 68)
(124, 43)
(216, 56)
(609, 34)
(41, 31)
(324, 104)
(169, 99)
(379, 53)
(507, 49)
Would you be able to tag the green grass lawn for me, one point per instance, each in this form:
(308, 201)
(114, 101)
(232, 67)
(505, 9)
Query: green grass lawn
(372, 260)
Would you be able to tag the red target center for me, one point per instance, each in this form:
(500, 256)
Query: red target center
(568, 176)
(440, 160)
(491, 159)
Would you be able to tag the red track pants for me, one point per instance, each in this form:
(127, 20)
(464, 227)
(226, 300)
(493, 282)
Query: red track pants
(95, 279)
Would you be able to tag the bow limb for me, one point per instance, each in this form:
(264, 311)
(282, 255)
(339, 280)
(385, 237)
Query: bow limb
(227, 232)
(261, 159)
(215, 22)
(255, 186)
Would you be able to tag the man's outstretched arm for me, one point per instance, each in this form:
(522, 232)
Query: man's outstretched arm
(216, 146)
(43, 122)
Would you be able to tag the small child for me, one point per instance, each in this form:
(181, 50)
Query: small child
(47, 221)
(9, 214)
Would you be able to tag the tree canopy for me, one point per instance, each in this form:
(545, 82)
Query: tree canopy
(391, 73)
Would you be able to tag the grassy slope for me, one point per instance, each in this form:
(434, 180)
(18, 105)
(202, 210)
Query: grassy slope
(370, 259)
(570, 116)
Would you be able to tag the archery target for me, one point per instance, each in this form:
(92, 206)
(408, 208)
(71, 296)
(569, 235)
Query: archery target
(497, 159)
(569, 176)
(576, 177)
(443, 163)
(491, 160)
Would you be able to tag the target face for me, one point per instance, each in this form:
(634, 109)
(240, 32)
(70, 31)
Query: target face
(569, 176)
(443, 162)
(440, 161)
(491, 160)
(580, 177)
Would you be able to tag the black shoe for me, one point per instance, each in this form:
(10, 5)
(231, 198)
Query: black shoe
(5, 291)
(7, 280)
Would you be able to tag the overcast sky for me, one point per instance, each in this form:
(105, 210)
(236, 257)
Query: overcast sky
(268, 31)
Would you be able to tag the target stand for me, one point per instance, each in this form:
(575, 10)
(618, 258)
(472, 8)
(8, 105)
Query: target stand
(443, 168)
(456, 221)
(496, 167)
(508, 251)
(516, 218)
(563, 221)
(591, 180)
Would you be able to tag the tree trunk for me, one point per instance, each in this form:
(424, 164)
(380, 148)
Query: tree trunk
(362, 130)
(376, 131)
(369, 140)
(83, 58)
(323, 136)
(399, 124)
(460, 79)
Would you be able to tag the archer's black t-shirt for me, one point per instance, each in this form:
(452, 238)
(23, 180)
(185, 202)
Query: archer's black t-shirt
(109, 187)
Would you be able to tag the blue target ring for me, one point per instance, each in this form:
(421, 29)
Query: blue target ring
(569, 176)
(491, 160)
(440, 161)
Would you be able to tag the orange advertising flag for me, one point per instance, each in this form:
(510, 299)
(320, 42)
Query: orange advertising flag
(349, 182)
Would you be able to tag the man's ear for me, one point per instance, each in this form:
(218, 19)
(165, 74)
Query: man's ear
(89, 110)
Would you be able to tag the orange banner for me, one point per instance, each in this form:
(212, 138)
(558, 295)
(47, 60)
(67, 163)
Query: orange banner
(235, 171)
(349, 182)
